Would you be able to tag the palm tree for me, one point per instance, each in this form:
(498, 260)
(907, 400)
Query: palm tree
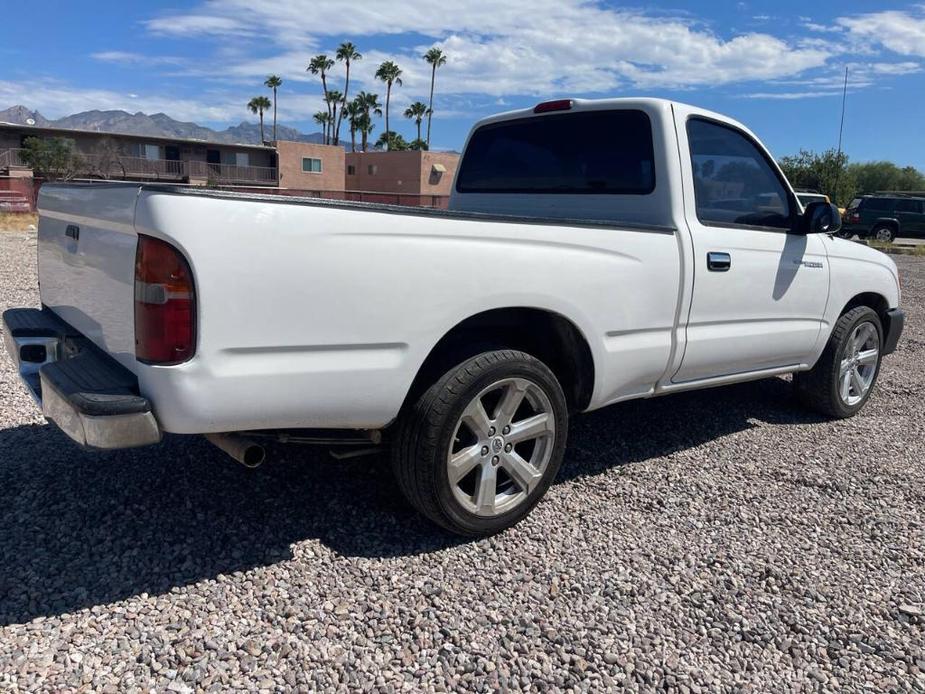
(354, 113)
(334, 99)
(389, 73)
(345, 52)
(435, 58)
(320, 65)
(393, 142)
(259, 104)
(274, 82)
(365, 127)
(371, 107)
(417, 111)
(321, 118)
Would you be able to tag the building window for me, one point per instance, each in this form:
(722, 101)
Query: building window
(242, 159)
(144, 151)
(310, 165)
(372, 169)
(351, 170)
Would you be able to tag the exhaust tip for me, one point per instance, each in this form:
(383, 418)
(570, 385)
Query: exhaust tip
(254, 455)
(241, 449)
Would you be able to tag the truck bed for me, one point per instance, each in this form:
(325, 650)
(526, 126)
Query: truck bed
(319, 313)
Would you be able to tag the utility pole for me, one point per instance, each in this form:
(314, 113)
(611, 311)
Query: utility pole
(841, 130)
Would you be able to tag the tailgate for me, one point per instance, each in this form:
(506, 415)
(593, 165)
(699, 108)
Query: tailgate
(86, 249)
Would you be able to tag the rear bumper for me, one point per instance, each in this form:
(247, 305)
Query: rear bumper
(895, 322)
(82, 390)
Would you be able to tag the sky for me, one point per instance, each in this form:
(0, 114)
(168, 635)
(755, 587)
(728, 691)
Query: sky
(778, 65)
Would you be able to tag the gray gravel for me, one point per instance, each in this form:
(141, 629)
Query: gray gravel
(716, 541)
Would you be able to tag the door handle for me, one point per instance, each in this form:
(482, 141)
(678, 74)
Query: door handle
(718, 262)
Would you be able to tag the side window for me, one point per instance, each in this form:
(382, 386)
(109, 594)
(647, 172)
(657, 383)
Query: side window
(733, 182)
(878, 204)
(909, 206)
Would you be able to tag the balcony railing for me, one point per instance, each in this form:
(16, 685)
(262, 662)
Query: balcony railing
(11, 159)
(118, 166)
(230, 173)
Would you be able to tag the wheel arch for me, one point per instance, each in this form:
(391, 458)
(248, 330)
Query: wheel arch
(886, 221)
(875, 301)
(549, 336)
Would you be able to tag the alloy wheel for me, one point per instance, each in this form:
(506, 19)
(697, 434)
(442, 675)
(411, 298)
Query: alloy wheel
(859, 364)
(501, 446)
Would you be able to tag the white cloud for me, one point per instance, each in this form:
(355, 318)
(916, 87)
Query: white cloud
(900, 32)
(791, 96)
(527, 47)
(134, 59)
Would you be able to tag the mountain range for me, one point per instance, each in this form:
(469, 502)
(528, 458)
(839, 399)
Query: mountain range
(155, 125)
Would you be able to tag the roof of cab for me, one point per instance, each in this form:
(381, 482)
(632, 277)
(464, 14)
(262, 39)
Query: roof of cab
(651, 103)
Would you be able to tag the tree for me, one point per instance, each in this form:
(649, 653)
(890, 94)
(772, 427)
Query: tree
(371, 107)
(418, 144)
(389, 73)
(105, 159)
(346, 52)
(417, 111)
(334, 98)
(53, 158)
(435, 58)
(821, 172)
(874, 176)
(322, 118)
(320, 65)
(274, 82)
(391, 141)
(258, 105)
(355, 112)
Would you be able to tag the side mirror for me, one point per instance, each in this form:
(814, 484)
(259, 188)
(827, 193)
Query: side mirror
(820, 218)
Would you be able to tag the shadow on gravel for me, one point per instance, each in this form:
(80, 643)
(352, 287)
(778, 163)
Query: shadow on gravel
(82, 529)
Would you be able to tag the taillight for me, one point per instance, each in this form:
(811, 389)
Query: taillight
(559, 105)
(165, 304)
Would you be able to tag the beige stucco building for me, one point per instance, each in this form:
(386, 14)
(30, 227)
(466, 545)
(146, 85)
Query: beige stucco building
(407, 172)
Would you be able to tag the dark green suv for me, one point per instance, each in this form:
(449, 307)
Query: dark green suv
(884, 217)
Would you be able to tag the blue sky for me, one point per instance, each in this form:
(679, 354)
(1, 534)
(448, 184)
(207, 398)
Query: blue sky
(776, 65)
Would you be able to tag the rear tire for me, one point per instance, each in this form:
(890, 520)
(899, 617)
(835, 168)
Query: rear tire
(884, 233)
(841, 382)
(481, 446)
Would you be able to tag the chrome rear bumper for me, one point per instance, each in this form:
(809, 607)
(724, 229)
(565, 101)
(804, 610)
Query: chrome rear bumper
(86, 393)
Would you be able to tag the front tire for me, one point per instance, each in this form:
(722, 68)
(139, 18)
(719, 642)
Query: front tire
(481, 446)
(841, 382)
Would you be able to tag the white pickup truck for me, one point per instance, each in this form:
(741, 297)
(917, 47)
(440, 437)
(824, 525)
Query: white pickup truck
(593, 252)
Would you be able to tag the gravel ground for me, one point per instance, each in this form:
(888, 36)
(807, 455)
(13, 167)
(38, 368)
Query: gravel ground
(715, 541)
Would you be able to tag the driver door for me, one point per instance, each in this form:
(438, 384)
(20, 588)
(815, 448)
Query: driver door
(759, 291)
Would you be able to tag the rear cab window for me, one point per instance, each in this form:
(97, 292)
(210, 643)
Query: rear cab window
(586, 152)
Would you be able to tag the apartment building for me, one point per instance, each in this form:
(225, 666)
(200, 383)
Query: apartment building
(285, 167)
(144, 158)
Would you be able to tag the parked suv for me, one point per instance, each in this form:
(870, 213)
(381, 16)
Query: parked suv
(884, 217)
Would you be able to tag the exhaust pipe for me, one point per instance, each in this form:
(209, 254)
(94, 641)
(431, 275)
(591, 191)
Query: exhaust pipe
(245, 451)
